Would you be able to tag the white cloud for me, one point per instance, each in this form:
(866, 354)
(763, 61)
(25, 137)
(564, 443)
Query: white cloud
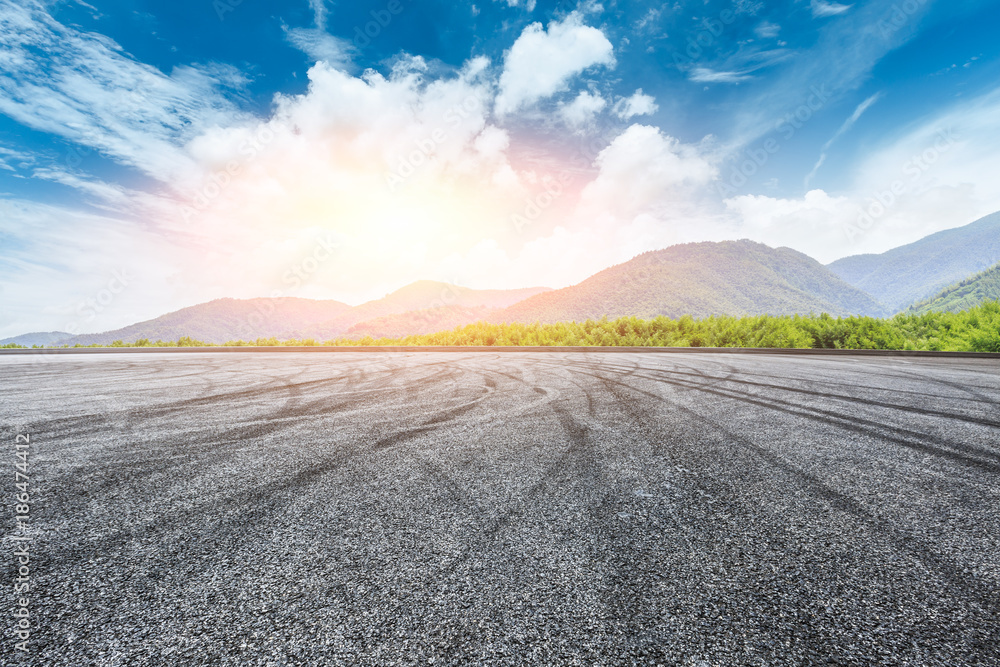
(321, 46)
(644, 169)
(529, 5)
(582, 109)
(8, 155)
(541, 63)
(820, 8)
(405, 169)
(104, 193)
(707, 75)
(767, 30)
(319, 13)
(638, 104)
(814, 224)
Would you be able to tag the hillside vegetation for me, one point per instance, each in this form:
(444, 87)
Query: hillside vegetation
(967, 294)
(916, 271)
(973, 330)
(701, 279)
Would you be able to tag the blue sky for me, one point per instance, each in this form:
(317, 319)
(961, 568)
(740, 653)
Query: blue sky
(202, 149)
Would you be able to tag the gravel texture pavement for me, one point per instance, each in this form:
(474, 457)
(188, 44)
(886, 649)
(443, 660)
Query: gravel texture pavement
(511, 509)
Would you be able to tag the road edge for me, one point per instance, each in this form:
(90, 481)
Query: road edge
(506, 349)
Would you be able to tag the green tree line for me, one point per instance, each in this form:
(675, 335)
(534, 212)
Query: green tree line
(974, 330)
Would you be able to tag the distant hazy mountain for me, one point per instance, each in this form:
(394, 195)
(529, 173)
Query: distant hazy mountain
(417, 322)
(37, 338)
(971, 292)
(418, 296)
(919, 270)
(224, 320)
(701, 279)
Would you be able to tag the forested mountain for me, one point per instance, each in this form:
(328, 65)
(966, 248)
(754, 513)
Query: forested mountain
(701, 279)
(967, 294)
(224, 320)
(418, 296)
(919, 270)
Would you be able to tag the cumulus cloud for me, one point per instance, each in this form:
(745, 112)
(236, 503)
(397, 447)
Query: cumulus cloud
(582, 109)
(542, 62)
(639, 104)
(644, 169)
(403, 168)
(814, 224)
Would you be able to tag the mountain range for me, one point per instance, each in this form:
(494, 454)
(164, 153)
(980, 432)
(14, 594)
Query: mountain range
(702, 279)
(423, 295)
(919, 270)
(939, 272)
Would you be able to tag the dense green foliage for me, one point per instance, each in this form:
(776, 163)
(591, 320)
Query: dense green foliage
(976, 330)
(973, 330)
(967, 294)
(919, 270)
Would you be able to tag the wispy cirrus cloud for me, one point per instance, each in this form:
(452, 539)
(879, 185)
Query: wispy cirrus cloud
(821, 8)
(85, 88)
(320, 45)
(843, 129)
(319, 13)
(708, 75)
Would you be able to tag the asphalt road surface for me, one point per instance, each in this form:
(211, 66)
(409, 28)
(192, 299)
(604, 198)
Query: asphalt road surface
(516, 508)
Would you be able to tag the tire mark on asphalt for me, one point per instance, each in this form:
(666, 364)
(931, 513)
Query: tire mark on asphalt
(843, 397)
(974, 588)
(964, 454)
